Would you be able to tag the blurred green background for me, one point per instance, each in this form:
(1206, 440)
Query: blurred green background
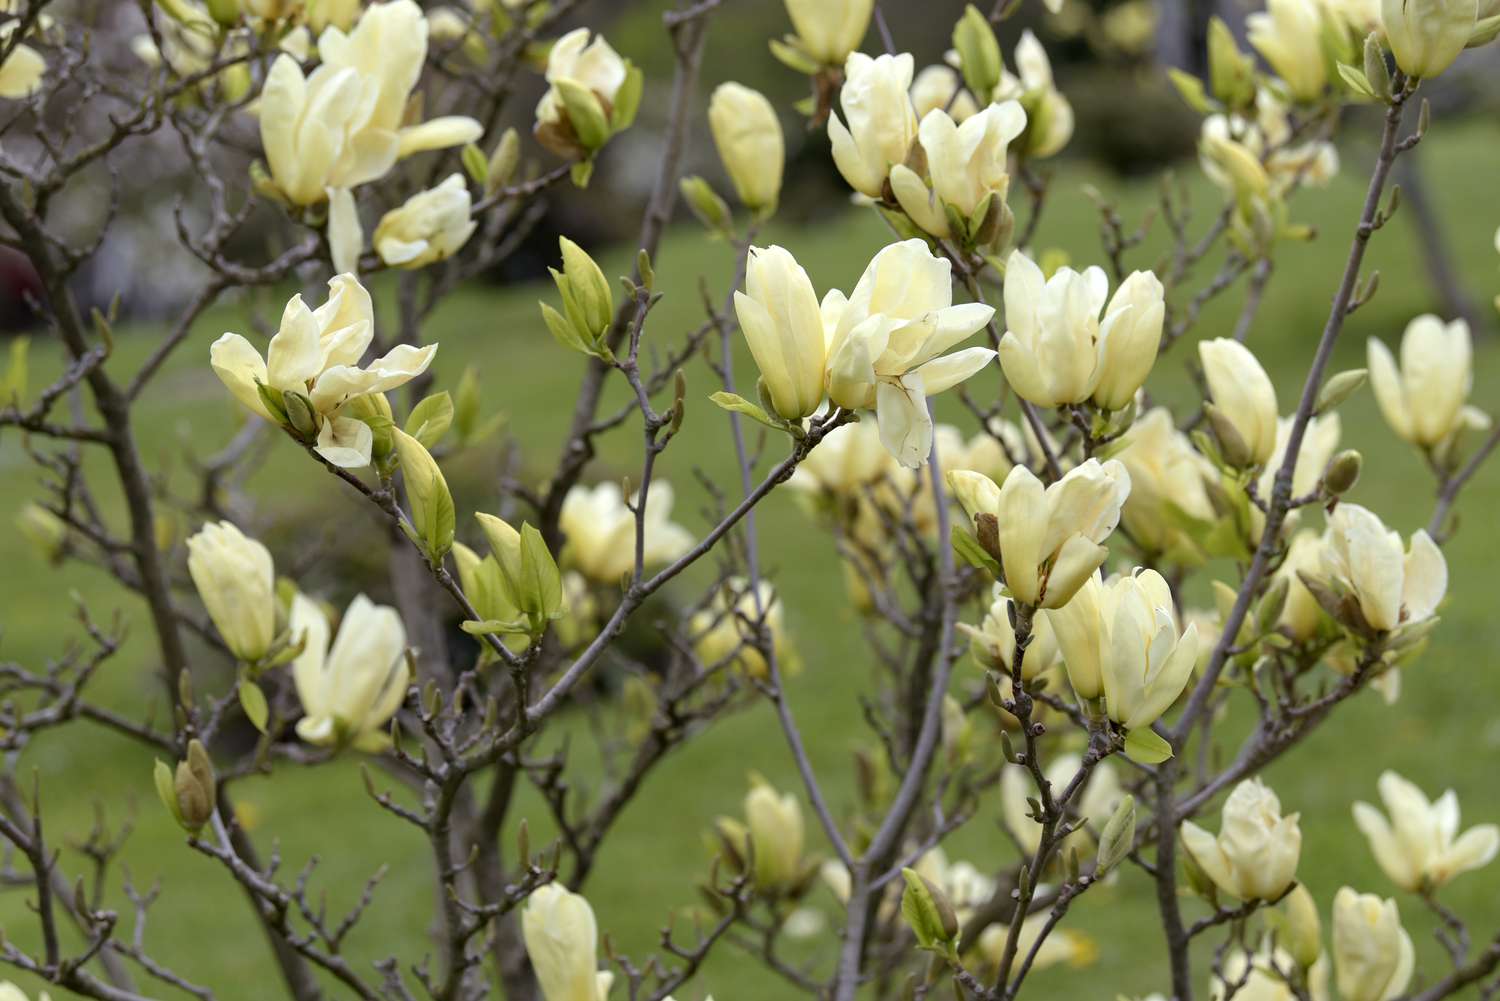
(1443, 732)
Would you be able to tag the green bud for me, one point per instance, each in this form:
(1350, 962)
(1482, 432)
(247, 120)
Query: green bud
(300, 415)
(1339, 388)
(588, 300)
(585, 113)
(705, 203)
(1231, 72)
(1231, 444)
(432, 512)
(225, 12)
(978, 52)
(1343, 472)
(1268, 610)
(928, 912)
(529, 576)
(1377, 74)
(1300, 932)
(1117, 838)
(503, 161)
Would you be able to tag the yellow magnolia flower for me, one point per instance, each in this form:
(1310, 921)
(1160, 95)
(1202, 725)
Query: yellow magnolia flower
(748, 136)
(342, 126)
(887, 341)
(1393, 587)
(1259, 976)
(1120, 639)
(1049, 116)
(1372, 954)
(1167, 474)
(1063, 946)
(1243, 393)
(1255, 854)
(21, 73)
(780, 316)
(10, 992)
(879, 123)
(600, 531)
(776, 835)
(562, 941)
(848, 460)
(1050, 537)
(1425, 399)
(349, 691)
(593, 72)
(237, 582)
(1289, 34)
(311, 370)
(430, 226)
(829, 30)
(726, 629)
(966, 164)
(1419, 846)
(1302, 617)
(1056, 350)
(993, 641)
(1426, 36)
(1097, 801)
(940, 88)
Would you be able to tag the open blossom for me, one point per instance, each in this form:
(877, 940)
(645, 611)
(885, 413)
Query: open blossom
(349, 690)
(600, 531)
(343, 125)
(993, 642)
(879, 123)
(966, 165)
(1096, 802)
(1167, 475)
(1416, 841)
(592, 75)
(1426, 36)
(828, 30)
(783, 324)
(849, 459)
(1120, 639)
(1243, 394)
(430, 226)
(940, 87)
(887, 341)
(748, 136)
(1425, 399)
(237, 582)
(1049, 116)
(1373, 956)
(727, 629)
(562, 942)
(1255, 854)
(1056, 349)
(1289, 34)
(1392, 586)
(1051, 538)
(314, 358)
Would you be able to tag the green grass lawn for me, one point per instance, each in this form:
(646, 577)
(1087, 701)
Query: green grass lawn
(1443, 732)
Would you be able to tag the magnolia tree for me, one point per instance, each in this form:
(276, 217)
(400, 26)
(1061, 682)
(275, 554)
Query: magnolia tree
(1052, 540)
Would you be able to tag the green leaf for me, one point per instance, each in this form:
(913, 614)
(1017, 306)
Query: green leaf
(792, 57)
(929, 915)
(540, 573)
(442, 518)
(585, 113)
(1143, 745)
(1117, 838)
(564, 332)
(1356, 80)
(1191, 89)
(966, 545)
(166, 789)
(627, 98)
(477, 165)
(430, 419)
(736, 404)
(253, 701)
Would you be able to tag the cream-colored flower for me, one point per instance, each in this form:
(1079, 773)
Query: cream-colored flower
(1255, 854)
(940, 88)
(879, 124)
(887, 341)
(1243, 393)
(848, 460)
(1051, 538)
(724, 632)
(1062, 946)
(1419, 846)
(993, 641)
(430, 226)
(1302, 617)
(315, 357)
(593, 65)
(829, 30)
(341, 14)
(1393, 586)
(349, 691)
(1167, 476)
(21, 73)
(1424, 400)
(1426, 36)
(1120, 639)
(748, 136)
(967, 165)
(783, 324)
(776, 836)
(1259, 976)
(562, 942)
(1057, 351)
(1372, 954)
(600, 531)
(237, 582)
(1049, 116)
(1289, 34)
(10, 992)
(342, 126)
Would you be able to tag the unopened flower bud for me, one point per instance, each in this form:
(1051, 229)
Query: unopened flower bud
(1301, 932)
(1343, 472)
(978, 51)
